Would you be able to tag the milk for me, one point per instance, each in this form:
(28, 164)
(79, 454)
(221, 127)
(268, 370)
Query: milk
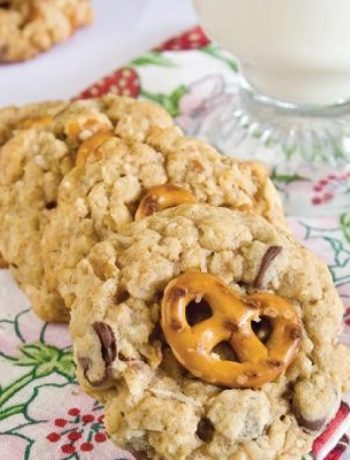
(296, 51)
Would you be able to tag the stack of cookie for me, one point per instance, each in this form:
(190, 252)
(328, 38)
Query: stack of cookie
(205, 329)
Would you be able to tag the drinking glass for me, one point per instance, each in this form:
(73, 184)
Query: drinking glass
(292, 107)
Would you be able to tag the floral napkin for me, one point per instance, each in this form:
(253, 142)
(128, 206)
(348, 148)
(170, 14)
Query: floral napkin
(43, 413)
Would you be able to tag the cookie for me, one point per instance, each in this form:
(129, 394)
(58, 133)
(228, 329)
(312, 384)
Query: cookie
(116, 180)
(209, 334)
(32, 164)
(37, 116)
(29, 27)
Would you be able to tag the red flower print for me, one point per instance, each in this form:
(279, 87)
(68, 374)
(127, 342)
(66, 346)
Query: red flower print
(53, 437)
(86, 447)
(194, 38)
(74, 411)
(74, 436)
(61, 422)
(100, 437)
(68, 449)
(123, 82)
(77, 431)
(331, 186)
(347, 316)
(88, 418)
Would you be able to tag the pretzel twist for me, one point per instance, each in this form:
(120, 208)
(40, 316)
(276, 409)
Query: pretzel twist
(163, 197)
(231, 320)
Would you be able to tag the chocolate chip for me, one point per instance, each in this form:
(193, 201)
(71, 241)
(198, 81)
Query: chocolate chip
(138, 454)
(107, 340)
(85, 364)
(311, 425)
(122, 296)
(51, 205)
(205, 430)
(269, 256)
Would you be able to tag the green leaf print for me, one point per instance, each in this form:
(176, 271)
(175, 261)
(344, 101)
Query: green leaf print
(46, 359)
(218, 53)
(287, 179)
(153, 58)
(169, 101)
(12, 410)
(43, 360)
(345, 225)
(334, 237)
(44, 369)
(66, 366)
(14, 387)
(36, 354)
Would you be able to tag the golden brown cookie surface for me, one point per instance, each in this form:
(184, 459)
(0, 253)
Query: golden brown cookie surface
(158, 400)
(122, 177)
(29, 27)
(13, 119)
(32, 164)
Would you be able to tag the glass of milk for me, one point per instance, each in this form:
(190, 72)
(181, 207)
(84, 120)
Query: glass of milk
(294, 79)
(295, 51)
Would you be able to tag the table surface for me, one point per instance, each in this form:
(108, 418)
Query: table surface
(122, 30)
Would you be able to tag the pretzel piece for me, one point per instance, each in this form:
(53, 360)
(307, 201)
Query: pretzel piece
(231, 320)
(90, 145)
(35, 121)
(163, 197)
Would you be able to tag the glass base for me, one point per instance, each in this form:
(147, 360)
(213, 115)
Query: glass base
(303, 133)
(306, 147)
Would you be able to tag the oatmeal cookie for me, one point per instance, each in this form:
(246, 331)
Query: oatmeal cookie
(37, 116)
(29, 27)
(32, 164)
(247, 298)
(103, 192)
